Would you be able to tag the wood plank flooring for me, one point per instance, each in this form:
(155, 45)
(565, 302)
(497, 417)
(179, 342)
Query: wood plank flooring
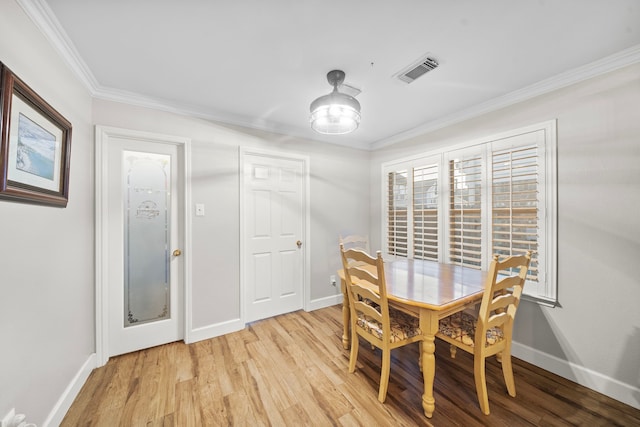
(291, 370)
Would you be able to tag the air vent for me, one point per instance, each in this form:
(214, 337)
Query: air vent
(418, 69)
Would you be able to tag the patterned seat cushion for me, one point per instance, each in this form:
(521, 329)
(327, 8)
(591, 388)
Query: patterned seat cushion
(461, 326)
(403, 325)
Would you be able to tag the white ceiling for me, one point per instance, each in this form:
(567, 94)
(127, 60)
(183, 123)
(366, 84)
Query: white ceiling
(260, 63)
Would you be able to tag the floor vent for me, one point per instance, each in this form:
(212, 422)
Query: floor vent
(416, 70)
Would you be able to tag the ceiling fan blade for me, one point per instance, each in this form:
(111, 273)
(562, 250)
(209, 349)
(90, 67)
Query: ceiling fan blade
(349, 90)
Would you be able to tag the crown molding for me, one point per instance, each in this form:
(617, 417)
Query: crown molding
(44, 18)
(604, 65)
(135, 99)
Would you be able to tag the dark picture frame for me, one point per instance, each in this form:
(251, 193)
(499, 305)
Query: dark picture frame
(35, 150)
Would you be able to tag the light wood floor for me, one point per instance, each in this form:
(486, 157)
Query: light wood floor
(291, 370)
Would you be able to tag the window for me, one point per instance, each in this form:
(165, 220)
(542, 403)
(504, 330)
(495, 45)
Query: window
(465, 204)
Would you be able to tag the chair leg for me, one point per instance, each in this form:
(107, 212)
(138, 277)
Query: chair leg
(507, 372)
(420, 355)
(353, 356)
(384, 374)
(481, 382)
(452, 350)
(346, 315)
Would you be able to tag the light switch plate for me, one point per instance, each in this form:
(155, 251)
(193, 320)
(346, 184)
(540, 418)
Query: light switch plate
(199, 209)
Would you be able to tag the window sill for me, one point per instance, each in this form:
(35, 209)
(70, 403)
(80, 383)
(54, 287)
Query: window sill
(546, 302)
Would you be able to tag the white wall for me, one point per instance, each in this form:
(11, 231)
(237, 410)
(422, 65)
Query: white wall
(339, 185)
(46, 255)
(593, 337)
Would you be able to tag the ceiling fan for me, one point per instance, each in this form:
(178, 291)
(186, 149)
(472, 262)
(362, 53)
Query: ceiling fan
(338, 112)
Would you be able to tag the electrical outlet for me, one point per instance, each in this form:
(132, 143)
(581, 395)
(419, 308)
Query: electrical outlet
(332, 280)
(8, 418)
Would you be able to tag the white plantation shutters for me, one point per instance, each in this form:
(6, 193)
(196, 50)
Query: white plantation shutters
(523, 205)
(515, 203)
(425, 212)
(465, 211)
(397, 215)
(462, 205)
(412, 209)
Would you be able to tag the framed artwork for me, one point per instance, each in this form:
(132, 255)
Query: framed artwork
(35, 150)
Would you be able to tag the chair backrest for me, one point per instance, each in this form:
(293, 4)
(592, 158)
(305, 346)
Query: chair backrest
(355, 242)
(364, 276)
(502, 295)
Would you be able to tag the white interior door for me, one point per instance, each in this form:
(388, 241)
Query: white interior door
(142, 223)
(274, 232)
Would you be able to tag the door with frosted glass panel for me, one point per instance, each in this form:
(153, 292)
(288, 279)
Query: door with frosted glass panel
(145, 296)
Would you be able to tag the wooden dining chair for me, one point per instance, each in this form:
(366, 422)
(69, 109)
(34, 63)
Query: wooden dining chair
(352, 241)
(371, 317)
(489, 333)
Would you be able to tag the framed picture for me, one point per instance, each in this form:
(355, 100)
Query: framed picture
(35, 150)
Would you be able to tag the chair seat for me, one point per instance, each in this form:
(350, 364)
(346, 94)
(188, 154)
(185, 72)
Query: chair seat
(461, 326)
(403, 325)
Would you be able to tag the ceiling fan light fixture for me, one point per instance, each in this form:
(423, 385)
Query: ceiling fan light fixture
(335, 113)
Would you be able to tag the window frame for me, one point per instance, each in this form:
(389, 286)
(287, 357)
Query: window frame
(545, 291)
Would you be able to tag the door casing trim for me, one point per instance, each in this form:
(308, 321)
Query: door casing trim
(102, 136)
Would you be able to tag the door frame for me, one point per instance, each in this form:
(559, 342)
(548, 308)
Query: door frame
(102, 136)
(306, 263)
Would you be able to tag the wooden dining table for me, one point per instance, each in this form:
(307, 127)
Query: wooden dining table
(430, 291)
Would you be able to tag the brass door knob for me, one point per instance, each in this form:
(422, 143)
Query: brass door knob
(177, 252)
(299, 243)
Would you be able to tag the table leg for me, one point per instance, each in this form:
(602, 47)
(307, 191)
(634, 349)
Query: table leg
(429, 327)
(345, 315)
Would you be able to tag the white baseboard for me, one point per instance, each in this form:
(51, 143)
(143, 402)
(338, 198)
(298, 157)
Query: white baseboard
(317, 304)
(615, 389)
(216, 330)
(212, 331)
(71, 392)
